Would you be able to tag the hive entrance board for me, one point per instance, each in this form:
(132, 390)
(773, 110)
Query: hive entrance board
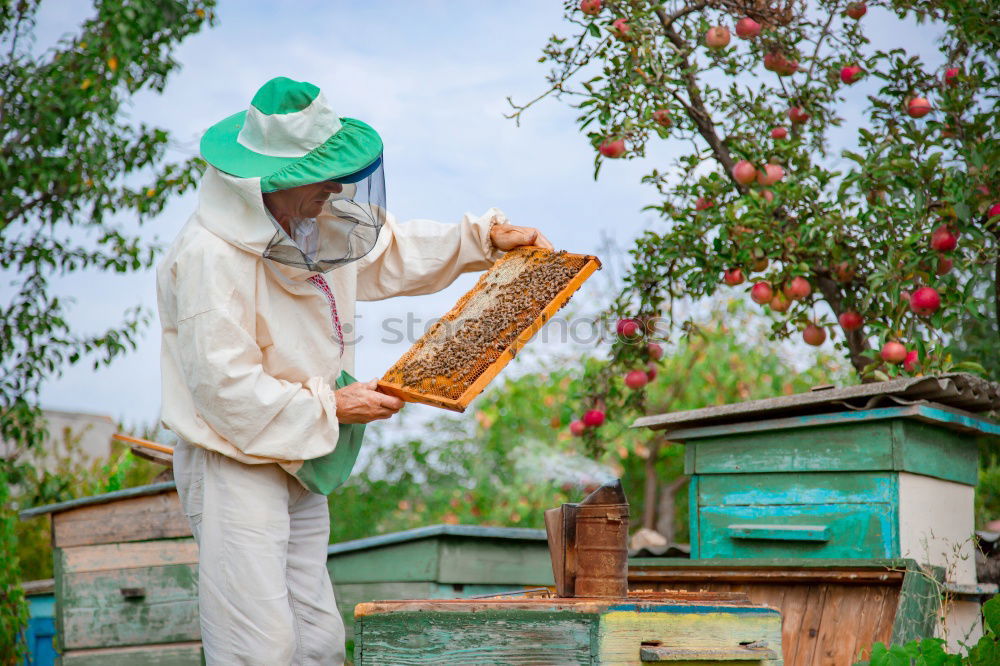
(460, 354)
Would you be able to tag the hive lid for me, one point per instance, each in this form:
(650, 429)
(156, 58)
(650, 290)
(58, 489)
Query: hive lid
(959, 390)
(460, 354)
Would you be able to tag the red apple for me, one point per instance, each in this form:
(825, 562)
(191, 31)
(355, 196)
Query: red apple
(717, 37)
(593, 418)
(613, 148)
(773, 60)
(636, 379)
(651, 371)
(798, 115)
(703, 204)
(744, 172)
(943, 240)
(925, 301)
(576, 428)
(814, 335)
(733, 277)
(856, 10)
(770, 174)
(983, 190)
(662, 118)
(911, 361)
(747, 28)
(893, 352)
(761, 293)
(780, 302)
(655, 351)
(918, 107)
(951, 76)
(944, 265)
(851, 320)
(627, 328)
(851, 74)
(798, 288)
(768, 195)
(620, 29)
(779, 133)
(904, 296)
(844, 272)
(993, 211)
(788, 67)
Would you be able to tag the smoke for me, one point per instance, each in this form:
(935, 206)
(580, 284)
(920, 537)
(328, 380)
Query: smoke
(537, 463)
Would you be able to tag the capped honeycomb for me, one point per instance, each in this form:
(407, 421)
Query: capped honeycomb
(461, 353)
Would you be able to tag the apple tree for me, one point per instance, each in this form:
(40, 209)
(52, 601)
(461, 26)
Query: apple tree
(866, 217)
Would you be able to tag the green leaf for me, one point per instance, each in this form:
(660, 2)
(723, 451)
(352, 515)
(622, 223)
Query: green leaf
(991, 614)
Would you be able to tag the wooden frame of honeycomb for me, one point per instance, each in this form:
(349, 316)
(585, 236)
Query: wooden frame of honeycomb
(467, 348)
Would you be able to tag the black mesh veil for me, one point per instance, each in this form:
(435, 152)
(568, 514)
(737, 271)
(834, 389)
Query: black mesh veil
(345, 231)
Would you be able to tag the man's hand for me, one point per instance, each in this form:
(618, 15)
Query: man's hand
(361, 403)
(507, 237)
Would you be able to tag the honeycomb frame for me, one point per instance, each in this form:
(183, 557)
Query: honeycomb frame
(433, 391)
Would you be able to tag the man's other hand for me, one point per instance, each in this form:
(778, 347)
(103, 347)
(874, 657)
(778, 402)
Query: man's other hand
(507, 237)
(361, 403)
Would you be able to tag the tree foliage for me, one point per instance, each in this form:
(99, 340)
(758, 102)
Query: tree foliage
(854, 218)
(76, 172)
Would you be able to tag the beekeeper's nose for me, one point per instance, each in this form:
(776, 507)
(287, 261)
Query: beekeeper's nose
(334, 187)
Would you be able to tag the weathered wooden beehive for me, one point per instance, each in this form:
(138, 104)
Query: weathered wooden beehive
(126, 579)
(865, 472)
(677, 627)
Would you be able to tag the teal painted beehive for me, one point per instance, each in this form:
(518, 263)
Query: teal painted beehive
(813, 476)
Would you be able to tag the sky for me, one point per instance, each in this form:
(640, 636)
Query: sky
(432, 76)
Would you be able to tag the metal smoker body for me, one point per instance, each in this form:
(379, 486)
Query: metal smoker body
(588, 543)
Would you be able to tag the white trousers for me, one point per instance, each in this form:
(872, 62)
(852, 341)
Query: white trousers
(264, 592)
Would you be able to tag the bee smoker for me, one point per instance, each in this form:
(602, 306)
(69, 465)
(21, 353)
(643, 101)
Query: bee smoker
(588, 543)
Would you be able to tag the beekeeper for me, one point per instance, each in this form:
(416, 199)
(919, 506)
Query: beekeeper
(256, 297)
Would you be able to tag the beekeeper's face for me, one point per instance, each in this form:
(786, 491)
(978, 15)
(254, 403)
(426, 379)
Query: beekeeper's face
(302, 201)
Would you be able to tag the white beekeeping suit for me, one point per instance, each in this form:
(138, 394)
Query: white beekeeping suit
(253, 350)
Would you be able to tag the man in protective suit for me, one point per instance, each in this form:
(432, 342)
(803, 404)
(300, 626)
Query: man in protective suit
(290, 230)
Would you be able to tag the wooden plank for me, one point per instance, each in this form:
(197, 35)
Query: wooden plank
(837, 448)
(94, 612)
(835, 629)
(176, 654)
(859, 530)
(936, 451)
(487, 637)
(112, 556)
(475, 561)
(783, 488)
(873, 623)
(809, 629)
(621, 633)
(140, 518)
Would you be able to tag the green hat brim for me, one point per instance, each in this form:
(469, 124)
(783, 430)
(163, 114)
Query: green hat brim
(354, 147)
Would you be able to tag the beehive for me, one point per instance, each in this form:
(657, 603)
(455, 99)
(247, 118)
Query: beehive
(460, 354)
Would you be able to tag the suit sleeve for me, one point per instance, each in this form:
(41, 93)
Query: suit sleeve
(422, 256)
